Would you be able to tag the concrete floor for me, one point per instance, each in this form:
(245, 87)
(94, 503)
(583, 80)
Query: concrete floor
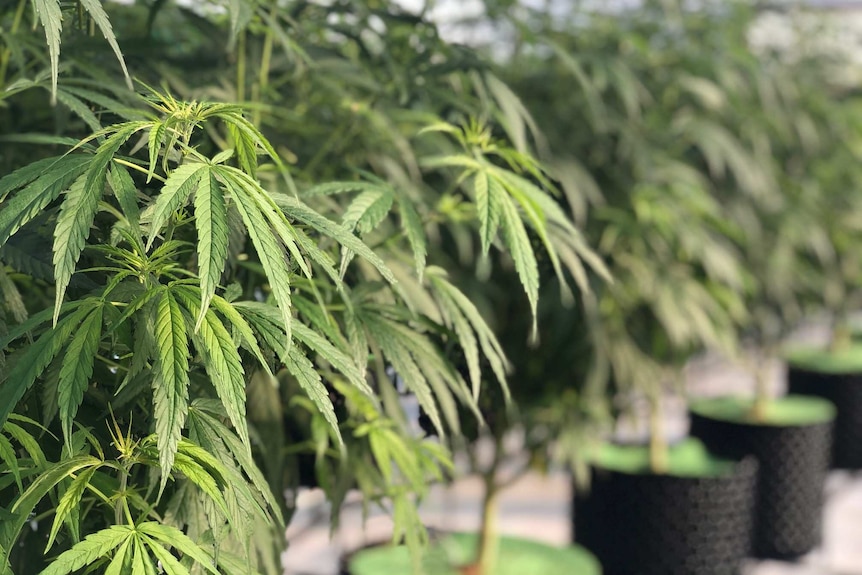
(538, 506)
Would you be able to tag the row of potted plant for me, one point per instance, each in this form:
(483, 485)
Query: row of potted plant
(718, 185)
(230, 269)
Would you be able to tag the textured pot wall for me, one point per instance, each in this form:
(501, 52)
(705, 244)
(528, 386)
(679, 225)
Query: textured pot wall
(663, 525)
(845, 391)
(794, 462)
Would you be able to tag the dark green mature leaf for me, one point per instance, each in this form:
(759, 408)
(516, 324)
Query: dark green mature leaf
(170, 385)
(10, 459)
(41, 486)
(79, 209)
(78, 367)
(125, 192)
(70, 501)
(211, 222)
(97, 13)
(34, 361)
(44, 180)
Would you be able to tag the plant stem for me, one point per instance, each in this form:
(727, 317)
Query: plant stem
(265, 64)
(761, 387)
(240, 68)
(842, 337)
(486, 554)
(658, 450)
(7, 52)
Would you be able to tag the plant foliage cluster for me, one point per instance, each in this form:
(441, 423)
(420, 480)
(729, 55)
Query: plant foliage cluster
(232, 237)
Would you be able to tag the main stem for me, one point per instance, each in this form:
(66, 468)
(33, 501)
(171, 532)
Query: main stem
(486, 554)
(658, 450)
(7, 51)
(761, 387)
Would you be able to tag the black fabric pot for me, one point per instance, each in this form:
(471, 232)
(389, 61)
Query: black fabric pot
(665, 525)
(845, 391)
(794, 461)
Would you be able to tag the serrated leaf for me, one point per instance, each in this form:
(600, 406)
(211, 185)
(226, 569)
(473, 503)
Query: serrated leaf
(488, 209)
(169, 563)
(69, 502)
(518, 243)
(95, 546)
(24, 505)
(117, 564)
(211, 223)
(339, 360)
(238, 322)
(77, 368)
(170, 385)
(367, 210)
(223, 365)
(178, 187)
(269, 250)
(97, 13)
(51, 19)
(126, 193)
(411, 223)
(10, 458)
(34, 361)
(381, 330)
(179, 541)
(45, 180)
(296, 209)
(79, 209)
(309, 379)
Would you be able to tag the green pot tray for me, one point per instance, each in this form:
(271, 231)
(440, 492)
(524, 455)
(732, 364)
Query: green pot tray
(824, 360)
(787, 411)
(516, 557)
(686, 458)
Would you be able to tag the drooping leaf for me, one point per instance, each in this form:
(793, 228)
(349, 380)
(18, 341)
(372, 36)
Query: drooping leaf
(271, 254)
(179, 541)
(97, 13)
(411, 223)
(211, 223)
(170, 384)
(70, 501)
(51, 19)
(95, 546)
(44, 180)
(223, 365)
(34, 361)
(77, 368)
(79, 209)
(309, 379)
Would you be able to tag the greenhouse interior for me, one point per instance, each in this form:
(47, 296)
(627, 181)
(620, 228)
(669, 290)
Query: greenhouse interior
(441, 287)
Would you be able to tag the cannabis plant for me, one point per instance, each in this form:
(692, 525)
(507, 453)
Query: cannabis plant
(178, 284)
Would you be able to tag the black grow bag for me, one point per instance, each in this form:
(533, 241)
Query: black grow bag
(793, 461)
(644, 524)
(845, 391)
